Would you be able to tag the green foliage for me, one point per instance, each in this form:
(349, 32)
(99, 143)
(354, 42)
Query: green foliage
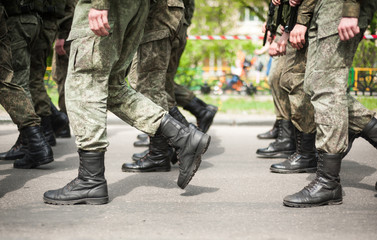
(212, 18)
(366, 54)
(239, 104)
(368, 102)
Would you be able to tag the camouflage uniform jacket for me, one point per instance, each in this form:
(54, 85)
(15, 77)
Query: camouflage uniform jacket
(189, 10)
(66, 22)
(305, 12)
(100, 4)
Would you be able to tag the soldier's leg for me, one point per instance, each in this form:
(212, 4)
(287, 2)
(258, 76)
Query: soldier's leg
(23, 31)
(38, 64)
(19, 106)
(100, 64)
(59, 74)
(329, 60)
(302, 115)
(273, 80)
(150, 75)
(284, 145)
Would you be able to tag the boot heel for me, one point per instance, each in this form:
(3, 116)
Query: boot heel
(97, 201)
(46, 161)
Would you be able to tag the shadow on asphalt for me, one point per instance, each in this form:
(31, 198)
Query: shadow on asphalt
(215, 148)
(16, 178)
(164, 180)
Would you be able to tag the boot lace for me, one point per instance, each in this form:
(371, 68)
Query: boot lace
(72, 183)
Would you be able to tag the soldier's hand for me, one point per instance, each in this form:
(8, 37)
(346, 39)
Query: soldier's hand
(348, 28)
(297, 36)
(264, 27)
(282, 43)
(276, 2)
(294, 3)
(59, 47)
(272, 50)
(98, 22)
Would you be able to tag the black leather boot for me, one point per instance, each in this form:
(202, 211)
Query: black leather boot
(204, 116)
(191, 144)
(17, 151)
(271, 134)
(303, 160)
(38, 152)
(175, 113)
(59, 120)
(48, 131)
(89, 187)
(369, 132)
(284, 145)
(64, 133)
(142, 136)
(156, 160)
(208, 106)
(351, 138)
(142, 143)
(324, 189)
(139, 156)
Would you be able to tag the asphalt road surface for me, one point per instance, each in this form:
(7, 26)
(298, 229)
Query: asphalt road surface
(232, 196)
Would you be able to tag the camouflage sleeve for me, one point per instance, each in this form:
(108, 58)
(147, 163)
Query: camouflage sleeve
(351, 8)
(305, 12)
(65, 23)
(189, 10)
(101, 4)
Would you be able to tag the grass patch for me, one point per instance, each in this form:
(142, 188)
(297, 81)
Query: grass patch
(368, 102)
(240, 104)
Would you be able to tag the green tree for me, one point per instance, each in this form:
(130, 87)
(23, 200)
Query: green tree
(213, 18)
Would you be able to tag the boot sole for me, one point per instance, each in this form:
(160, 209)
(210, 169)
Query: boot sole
(141, 145)
(12, 157)
(305, 205)
(156, 169)
(90, 201)
(34, 165)
(305, 170)
(200, 150)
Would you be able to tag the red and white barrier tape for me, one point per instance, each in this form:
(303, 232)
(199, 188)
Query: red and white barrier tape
(223, 37)
(243, 37)
(370, 37)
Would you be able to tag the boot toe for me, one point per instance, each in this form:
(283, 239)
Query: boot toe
(206, 121)
(142, 143)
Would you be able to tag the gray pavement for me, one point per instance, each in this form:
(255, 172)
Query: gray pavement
(232, 196)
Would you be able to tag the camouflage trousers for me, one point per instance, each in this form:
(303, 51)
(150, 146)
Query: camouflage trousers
(292, 82)
(95, 80)
(12, 97)
(23, 32)
(38, 64)
(59, 74)
(157, 58)
(279, 96)
(328, 64)
(183, 95)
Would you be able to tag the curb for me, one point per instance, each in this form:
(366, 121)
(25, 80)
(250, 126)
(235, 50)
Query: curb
(259, 120)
